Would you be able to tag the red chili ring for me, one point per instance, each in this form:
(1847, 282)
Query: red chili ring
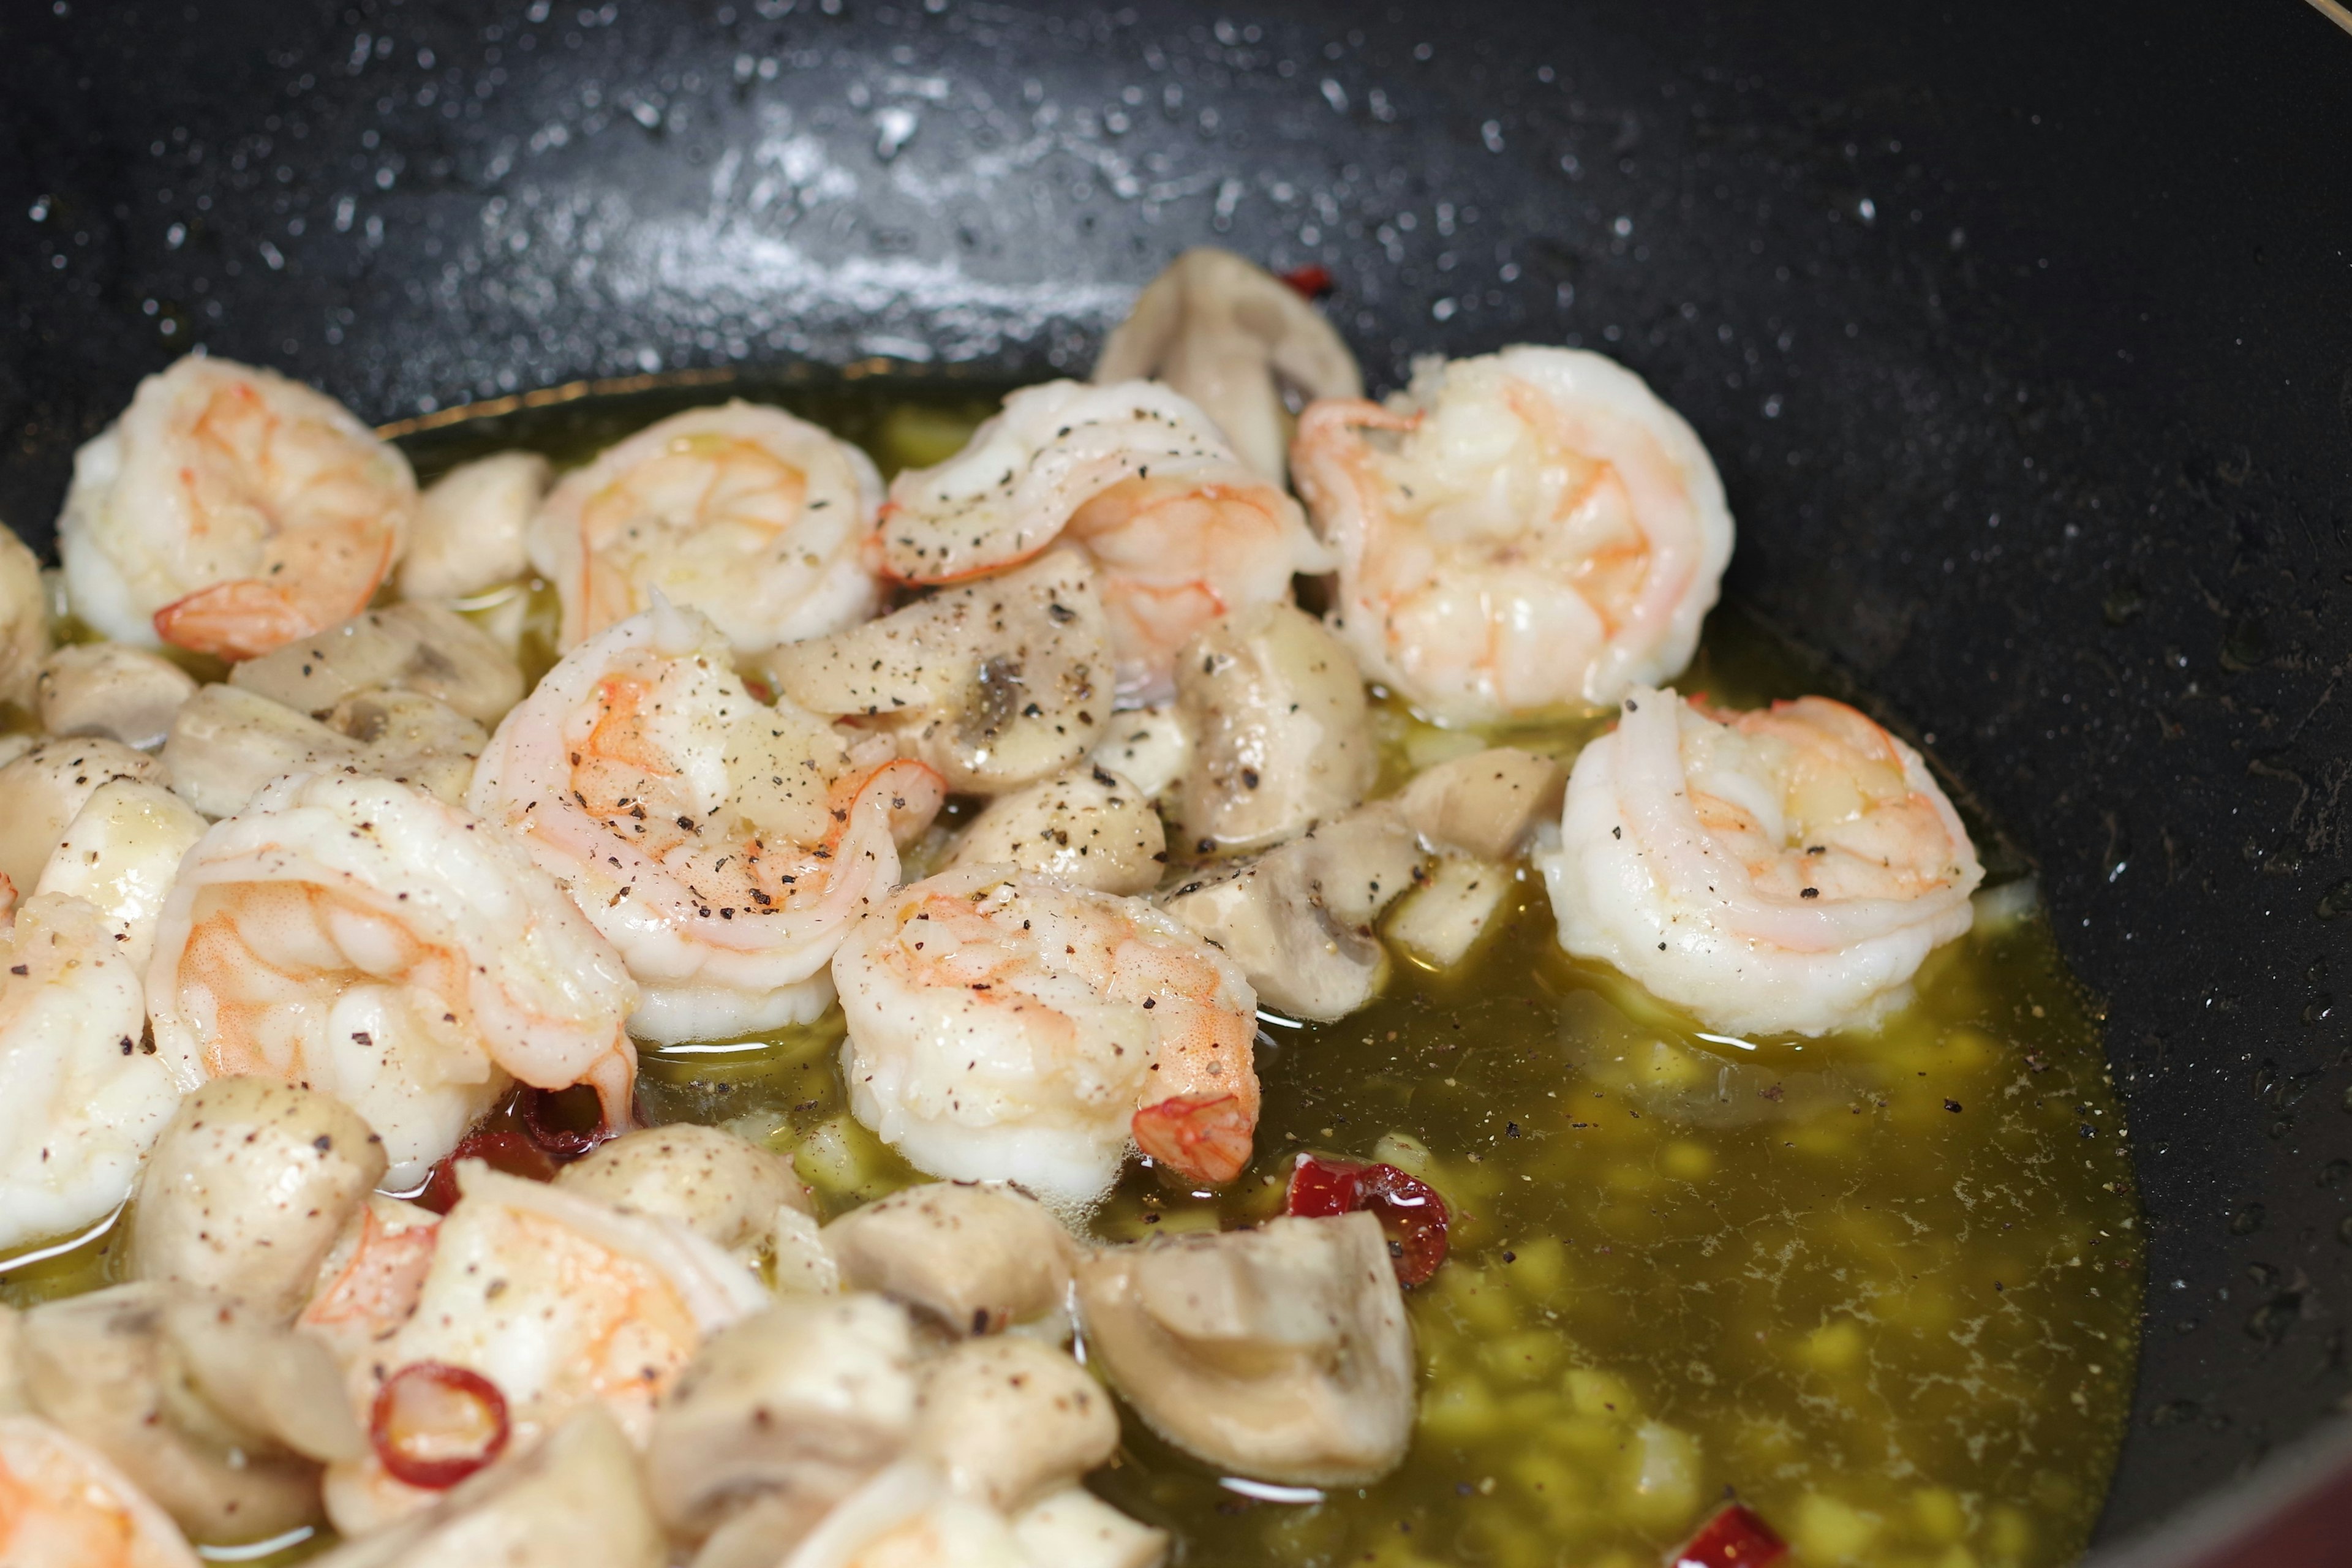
(511, 1153)
(436, 1473)
(1311, 282)
(1734, 1538)
(1408, 1209)
(565, 1143)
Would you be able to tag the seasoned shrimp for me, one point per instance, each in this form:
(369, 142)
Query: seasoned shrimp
(1005, 1025)
(358, 937)
(1778, 871)
(722, 845)
(1182, 530)
(63, 1506)
(84, 1099)
(1531, 530)
(230, 510)
(756, 519)
(556, 1299)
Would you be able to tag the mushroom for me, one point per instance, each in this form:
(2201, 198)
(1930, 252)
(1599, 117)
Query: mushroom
(222, 1420)
(122, 853)
(113, 690)
(791, 1408)
(1282, 733)
(1282, 1352)
(24, 618)
(1010, 1419)
(1149, 746)
(1088, 826)
(423, 649)
(247, 1189)
(907, 1517)
(727, 1188)
(575, 1498)
(1444, 917)
(227, 742)
(470, 525)
(1075, 1528)
(1484, 804)
(997, 684)
(1298, 918)
(979, 1259)
(1233, 338)
(46, 788)
(13, 1399)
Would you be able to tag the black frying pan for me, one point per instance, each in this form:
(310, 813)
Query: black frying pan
(2020, 333)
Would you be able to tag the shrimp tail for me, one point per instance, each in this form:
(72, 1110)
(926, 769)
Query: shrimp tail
(1206, 1137)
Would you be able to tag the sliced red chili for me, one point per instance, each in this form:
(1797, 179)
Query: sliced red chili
(1408, 1208)
(433, 1425)
(566, 1122)
(1311, 282)
(512, 1152)
(1734, 1538)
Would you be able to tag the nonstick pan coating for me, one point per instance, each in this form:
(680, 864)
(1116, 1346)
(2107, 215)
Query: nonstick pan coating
(2022, 336)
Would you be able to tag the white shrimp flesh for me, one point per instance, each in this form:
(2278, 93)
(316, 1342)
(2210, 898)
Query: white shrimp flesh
(62, 1505)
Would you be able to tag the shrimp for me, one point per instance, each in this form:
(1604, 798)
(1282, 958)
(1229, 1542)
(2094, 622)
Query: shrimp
(85, 1101)
(558, 1300)
(62, 1505)
(722, 845)
(1005, 1026)
(1135, 475)
(1534, 530)
(1781, 871)
(757, 520)
(357, 936)
(230, 512)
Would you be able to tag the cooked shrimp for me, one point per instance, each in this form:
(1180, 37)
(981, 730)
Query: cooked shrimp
(1532, 530)
(756, 519)
(230, 510)
(1003, 1025)
(1778, 871)
(84, 1100)
(1182, 530)
(722, 845)
(357, 936)
(63, 1506)
(558, 1300)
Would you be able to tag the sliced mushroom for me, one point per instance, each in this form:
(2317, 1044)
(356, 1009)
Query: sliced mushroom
(980, 1260)
(1074, 1528)
(1282, 733)
(1088, 826)
(24, 618)
(576, 1497)
(1298, 918)
(122, 853)
(414, 739)
(13, 1399)
(997, 684)
(469, 527)
(1233, 338)
(1008, 1420)
(1150, 747)
(227, 743)
(113, 690)
(45, 789)
(1281, 1353)
(1443, 919)
(724, 1187)
(247, 1190)
(906, 1517)
(800, 1262)
(1485, 803)
(224, 1429)
(799, 1402)
(423, 649)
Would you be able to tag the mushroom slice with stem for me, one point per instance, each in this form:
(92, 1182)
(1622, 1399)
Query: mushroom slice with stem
(247, 1190)
(1282, 733)
(1008, 1420)
(24, 618)
(1298, 918)
(423, 649)
(574, 1499)
(996, 684)
(1485, 803)
(1088, 826)
(227, 743)
(786, 1411)
(1150, 747)
(978, 1259)
(120, 855)
(1457, 900)
(1235, 339)
(1074, 1528)
(470, 527)
(1282, 1353)
(110, 689)
(46, 787)
(724, 1188)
